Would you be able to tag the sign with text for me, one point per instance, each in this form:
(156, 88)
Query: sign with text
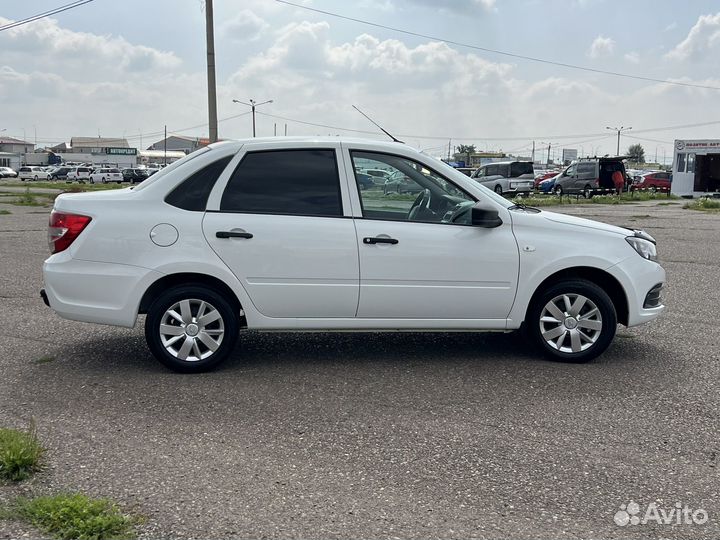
(121, 151)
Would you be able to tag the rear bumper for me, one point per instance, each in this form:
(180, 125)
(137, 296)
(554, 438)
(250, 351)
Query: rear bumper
(95, 292)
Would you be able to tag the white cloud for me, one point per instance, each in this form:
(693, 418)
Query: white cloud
(671, 26)
(703, 37)
(244, 26)
(44, 45)
(601, 47)
(632, 57)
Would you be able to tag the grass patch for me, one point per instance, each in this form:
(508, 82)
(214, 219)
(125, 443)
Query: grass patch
(74, 516)
(550, 199)
(20, 453)
(704, 204)
(45, 359)
(5, 212)
(69, 186)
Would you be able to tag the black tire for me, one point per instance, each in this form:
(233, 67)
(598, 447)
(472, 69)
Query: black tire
(603, 337)
(228, 317)
(498, 189)
(558, 191)
(587, 192)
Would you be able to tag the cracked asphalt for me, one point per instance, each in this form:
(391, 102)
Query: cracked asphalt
(413, 435)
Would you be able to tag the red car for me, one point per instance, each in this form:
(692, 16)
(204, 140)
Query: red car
(654, 181)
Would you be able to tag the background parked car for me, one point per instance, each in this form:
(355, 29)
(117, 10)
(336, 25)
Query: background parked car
(400, 183)
(378, 175)
(588, 175)
(60, 173)
(7, 172)
(33, 173)
(547, 185)
(79, 173)
(105, 175)
(654, 181)
(135, 176)
(365, 181)
(506, 176)
(539, 178)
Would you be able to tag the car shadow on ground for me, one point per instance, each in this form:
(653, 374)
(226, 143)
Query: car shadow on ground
(259, 350)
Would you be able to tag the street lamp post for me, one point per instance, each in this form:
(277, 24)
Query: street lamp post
(619, 131)
(253, 104)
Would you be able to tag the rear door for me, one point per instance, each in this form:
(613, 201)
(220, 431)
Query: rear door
(281, 225)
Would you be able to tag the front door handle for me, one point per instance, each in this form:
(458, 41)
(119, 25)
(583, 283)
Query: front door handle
(379, 240)
(233, 234)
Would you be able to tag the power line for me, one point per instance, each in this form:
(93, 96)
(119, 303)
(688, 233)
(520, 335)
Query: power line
(54, 11)
(599, 135)
(495, 51)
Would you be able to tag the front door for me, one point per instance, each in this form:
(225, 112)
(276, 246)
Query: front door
(420, 258)
(280, 228)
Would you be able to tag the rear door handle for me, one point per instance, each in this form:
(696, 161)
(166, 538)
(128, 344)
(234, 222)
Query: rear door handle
(379, 240)
(233, 234)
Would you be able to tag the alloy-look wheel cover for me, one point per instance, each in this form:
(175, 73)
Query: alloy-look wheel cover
(570, 323)
(191, 330)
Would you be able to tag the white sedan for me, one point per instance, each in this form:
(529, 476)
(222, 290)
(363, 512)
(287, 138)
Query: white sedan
(103, 175)
(275, 235)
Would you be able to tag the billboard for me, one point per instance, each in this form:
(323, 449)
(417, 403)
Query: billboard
(569, 154)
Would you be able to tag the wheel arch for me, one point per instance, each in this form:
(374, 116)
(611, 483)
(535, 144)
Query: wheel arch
(601, 278)
(190, 278)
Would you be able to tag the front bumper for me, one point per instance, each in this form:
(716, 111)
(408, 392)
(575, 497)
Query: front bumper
(641, 279)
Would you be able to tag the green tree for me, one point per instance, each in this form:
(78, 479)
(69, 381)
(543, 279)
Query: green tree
(636, 153)
(466, 150)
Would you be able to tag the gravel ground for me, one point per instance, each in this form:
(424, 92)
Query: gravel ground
(378, 436)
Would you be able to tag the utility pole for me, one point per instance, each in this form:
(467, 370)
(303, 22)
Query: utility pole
(449, 143)
(533, 152)
(619, 131)
(212, 89)
(165, 144)
(286, 130)
(253, 104)
(275, 129)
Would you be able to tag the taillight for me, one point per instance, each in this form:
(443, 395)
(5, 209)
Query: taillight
(64, 229)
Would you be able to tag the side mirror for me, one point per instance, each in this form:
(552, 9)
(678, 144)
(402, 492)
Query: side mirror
(485, 217)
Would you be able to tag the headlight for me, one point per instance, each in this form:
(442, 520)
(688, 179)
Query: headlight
(645, 248)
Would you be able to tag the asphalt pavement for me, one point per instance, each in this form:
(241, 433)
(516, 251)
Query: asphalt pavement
(344, 435)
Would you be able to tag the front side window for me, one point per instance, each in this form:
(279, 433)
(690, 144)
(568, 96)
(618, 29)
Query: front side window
(294, 182)
(413, 192)
(570, 170)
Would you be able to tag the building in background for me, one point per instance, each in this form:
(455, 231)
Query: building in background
(179, 143)
(12, 152)
(97, 151)
(696, 168)
(159, 157)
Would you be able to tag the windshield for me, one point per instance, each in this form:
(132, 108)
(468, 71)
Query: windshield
(179, 163)
(460, 177)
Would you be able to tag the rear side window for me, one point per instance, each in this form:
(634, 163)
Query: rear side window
(192, 194)
(586, 170)
(295, 182)
(521, 167)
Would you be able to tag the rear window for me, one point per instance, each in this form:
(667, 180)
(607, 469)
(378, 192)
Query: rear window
(114, 170)
(192, 194)
(521, 167)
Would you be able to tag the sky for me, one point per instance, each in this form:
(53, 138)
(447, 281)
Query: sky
(130, 68)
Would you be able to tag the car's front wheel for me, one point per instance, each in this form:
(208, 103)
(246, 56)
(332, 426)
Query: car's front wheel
(499, 189)
(572, 321)
(191, 328)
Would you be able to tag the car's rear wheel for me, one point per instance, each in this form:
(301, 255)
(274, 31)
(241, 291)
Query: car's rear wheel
(572, 321)
(191, 328)
(498, 189)
(36, 177)
(102, 180)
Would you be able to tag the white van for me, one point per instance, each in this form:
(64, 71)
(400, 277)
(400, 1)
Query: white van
(506, 176)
